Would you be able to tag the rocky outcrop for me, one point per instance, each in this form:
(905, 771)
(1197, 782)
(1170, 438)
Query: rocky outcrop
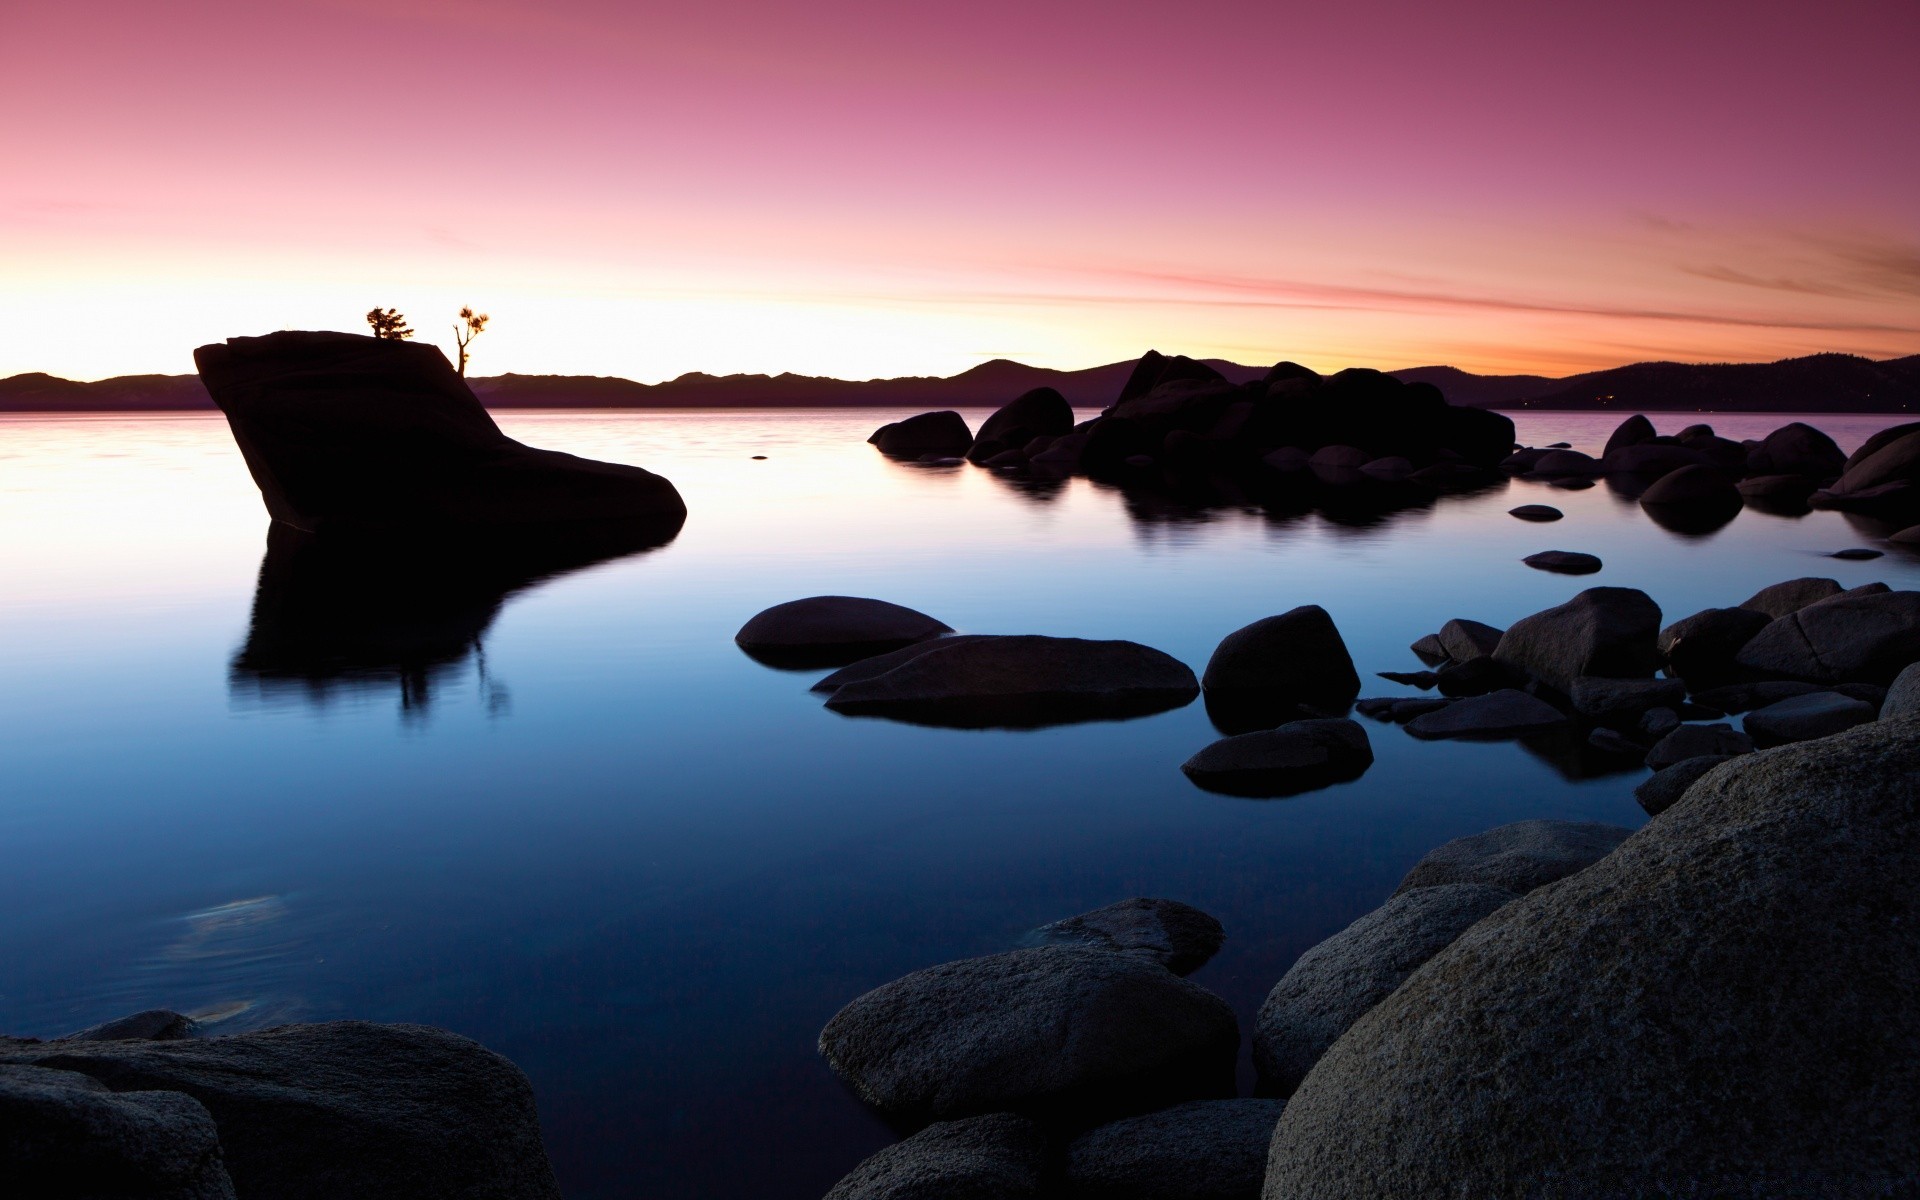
(66, 1134)
(338, 1109)
(827, 631)
(1299, 756)
(1040, 413)
(1297, 655)
(995, 1157)
(1518, 857)
(1855, 637)
(1603, 631)
(1019, 682)
(1068, 1034)
(1205, 1150)
(358, 436)
(928, 435)
(1719, 1007)
(1178, 936)
(1336, 982)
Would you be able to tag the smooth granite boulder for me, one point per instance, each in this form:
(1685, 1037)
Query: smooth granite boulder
(1042, 412)
(1856, 637)
(1903, 697)
(828, 631)
(1020, 682)
(1777, 600)
(345, 1108)
(1662, 790)
(155, 1024)
(1067, 1034)
(65, 1136)
(1518, 857)
(1507, 713)
(1796, 449)
(1178, 936)
(1333, 984)
(364, 436)
(1630, 432)
(1298, 655)
(942, 434)
(996, 1157)
(1203, 1150)
(1802, 718)
(1465, 640)
(1692, 741)
(1721, 1007)
(1299, 756)
(1611, 701)
(1605, 631)
(1564, 562)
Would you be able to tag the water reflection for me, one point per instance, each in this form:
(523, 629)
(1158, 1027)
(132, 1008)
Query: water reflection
(336, 617)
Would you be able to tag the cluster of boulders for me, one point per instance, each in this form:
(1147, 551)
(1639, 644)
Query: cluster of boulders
(1359, 432)
(146, 1107)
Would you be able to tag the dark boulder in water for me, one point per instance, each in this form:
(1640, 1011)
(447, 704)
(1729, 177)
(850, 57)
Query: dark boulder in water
(1299, 756)
(1883, 476)
(1631, 432)
(1602, 631)
(1796, 449)
(1536, 512)
(1564, 562)
(351, 435)
(1297, 655)
(1042, 412)
(1507, 713)
(1178, 936)
(827, 631)
(942, 434)
(1565, 462)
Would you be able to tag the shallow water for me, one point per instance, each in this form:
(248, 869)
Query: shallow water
(596, 837)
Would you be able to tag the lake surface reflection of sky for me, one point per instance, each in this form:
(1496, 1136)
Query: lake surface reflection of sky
(584, 829)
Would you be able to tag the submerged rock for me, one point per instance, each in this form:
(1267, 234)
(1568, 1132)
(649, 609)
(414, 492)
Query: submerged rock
(1178, 936)
(1336, 982)
(359, 436)
(1502, 714)
(826, 631)
(63, 1134)
(1710, 1010)
(995, 1157)
(1603, 631)
(1298, 655)
(1021, 682)
(1204, 1150)
(1296, 757)
(1518, 857)
(1069, 1034)
(942, 434)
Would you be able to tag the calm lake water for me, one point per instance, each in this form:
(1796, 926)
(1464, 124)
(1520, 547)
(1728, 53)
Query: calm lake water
(647, 869)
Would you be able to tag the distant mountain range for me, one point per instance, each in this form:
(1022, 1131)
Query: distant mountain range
(1817, 383)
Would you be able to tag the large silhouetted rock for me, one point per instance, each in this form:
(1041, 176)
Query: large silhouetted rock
(1202, 1150)
(1693, 494)
(822, 631)
(1334, 984)
(1042, 412)
(1021, 682)
(1855, 637)
(1631, 432)
(64, 1134)
(1886, 479)
(1604, 631)
(339, 1109)
(1779, 599)
(995, 1157)
(942, 433)
(1796, 449)
(1298, 654)
(1299, 756)
(1064, 1033)
(1178, 936)
(1518, 857)
(1721, 1007)
(358, 435)
(1565, 464)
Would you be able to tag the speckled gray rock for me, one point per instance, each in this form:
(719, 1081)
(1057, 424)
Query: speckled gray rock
(1299, 756)
(1859, 636)
(1501, 714)
(1298, 654)
(1602, 631)
(1903, 698)
(1518, 857)
(1206, 1150)
(1465, 640)
(1691, 741)
(1801, 718)
(826, 631)
(155, 1024)
(1793, 595)
(1178, 936)
(1065, 1033)
(65, 1135)
(995, 1157)
(346, 1108)
(1609, 701)
(1721, 1007)
(1661, 790)
(1334, 984)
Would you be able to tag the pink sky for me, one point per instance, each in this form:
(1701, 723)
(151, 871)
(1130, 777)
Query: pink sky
(872, 189)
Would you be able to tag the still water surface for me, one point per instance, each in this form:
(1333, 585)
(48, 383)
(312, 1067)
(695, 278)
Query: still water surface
(608, 845)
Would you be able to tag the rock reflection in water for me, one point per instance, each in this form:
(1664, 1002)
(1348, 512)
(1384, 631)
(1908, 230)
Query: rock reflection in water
(338, 617)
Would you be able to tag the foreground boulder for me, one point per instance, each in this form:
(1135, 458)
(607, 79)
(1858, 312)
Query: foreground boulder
(1336, 982)
(1603, 631)
(934, 434)
(1722, 1006)
(823, 631)
(1298, 655)
(372, 437)
(1178, 936)
(1299, 756)
(995, 1157)
(1020, 682)
(1204, 1150)
(1062, 1033)
(1040, 413)
(346, 1108)
(65, 1134)
(1518, 857)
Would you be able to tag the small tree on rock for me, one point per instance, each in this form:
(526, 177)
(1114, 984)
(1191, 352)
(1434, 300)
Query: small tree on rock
(389, 325)
(471, 326)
